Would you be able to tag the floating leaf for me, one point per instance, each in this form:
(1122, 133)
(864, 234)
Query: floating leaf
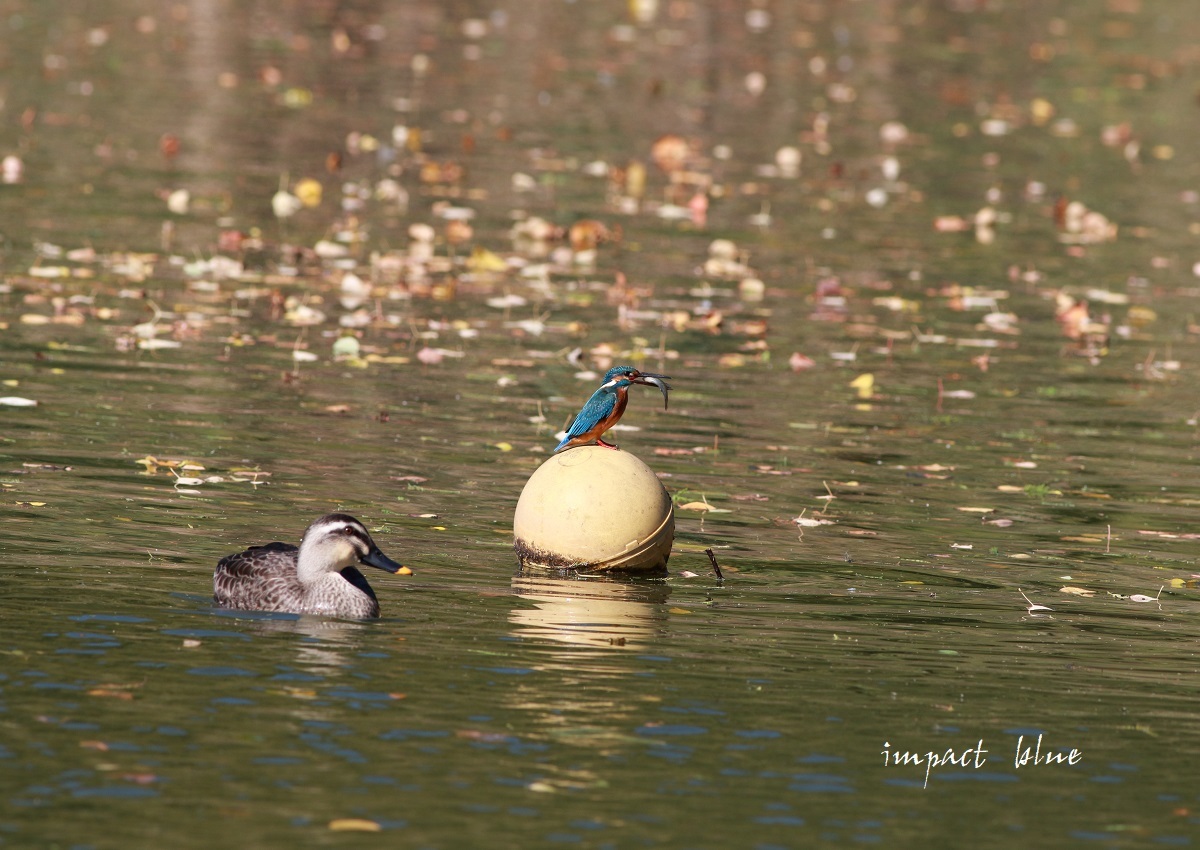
(864, 384)
(1077, 591)
(806, 522)
(483, 260)
(346, 347)
(308, 192)
(800, 362)
(17, 401)
(354, 825)
(121, 692)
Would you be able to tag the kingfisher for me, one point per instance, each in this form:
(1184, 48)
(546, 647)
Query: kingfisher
(604, 409)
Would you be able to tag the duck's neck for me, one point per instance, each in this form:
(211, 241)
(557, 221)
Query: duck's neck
(311, 565)
(341, 594)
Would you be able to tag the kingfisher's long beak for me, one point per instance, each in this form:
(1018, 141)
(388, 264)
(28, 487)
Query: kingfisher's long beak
(648, 379)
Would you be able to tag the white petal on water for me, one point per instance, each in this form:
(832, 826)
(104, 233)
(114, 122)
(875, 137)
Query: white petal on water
(284, 204)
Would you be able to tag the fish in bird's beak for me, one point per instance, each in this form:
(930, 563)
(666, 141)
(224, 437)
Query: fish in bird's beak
(648, 379)
(377, 559)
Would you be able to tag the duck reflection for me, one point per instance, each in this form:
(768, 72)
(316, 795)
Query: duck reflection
(322, 645)
(588, 613)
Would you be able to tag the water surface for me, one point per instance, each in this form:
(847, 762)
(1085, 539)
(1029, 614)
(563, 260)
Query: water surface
(996, 536)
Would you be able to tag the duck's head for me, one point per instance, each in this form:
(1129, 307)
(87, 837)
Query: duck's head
(337, 541)
(624, 376)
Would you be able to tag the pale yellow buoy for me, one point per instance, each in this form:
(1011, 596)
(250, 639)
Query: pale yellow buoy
(593, 509)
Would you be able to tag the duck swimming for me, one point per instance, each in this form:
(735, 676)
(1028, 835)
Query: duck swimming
(319, 577)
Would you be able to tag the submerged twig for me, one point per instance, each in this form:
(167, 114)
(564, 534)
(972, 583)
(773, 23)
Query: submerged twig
(716, 567)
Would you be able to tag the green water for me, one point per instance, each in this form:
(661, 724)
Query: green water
(488, 709)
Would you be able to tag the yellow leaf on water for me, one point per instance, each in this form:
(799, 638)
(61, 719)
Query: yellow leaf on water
(679, 611)
(865, 384)
(483, 260)
(696, 506)
(354, 825)
(504, 447)
(309, 192)
(976, 510)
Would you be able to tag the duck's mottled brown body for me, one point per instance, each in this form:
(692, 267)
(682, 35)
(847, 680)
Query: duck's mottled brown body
(317, 577)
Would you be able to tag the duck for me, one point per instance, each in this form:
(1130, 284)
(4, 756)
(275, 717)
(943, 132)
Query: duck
(317, 577)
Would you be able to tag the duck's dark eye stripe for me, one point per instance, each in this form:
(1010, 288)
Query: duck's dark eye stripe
(357, 534)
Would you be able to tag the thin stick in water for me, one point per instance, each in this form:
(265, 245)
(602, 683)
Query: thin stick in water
(716, 567)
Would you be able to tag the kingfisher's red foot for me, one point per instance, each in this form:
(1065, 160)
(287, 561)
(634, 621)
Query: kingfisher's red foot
(601, 442)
